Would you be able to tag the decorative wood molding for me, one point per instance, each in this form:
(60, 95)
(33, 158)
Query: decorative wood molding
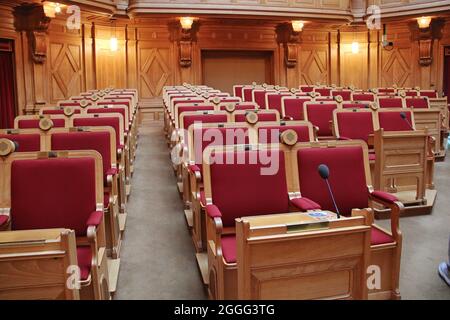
(290, 39)
(30, 17)
(186, 37)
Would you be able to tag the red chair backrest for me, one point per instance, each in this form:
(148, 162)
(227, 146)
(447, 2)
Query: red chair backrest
(262, 116)
(392, 121)
(355, 125)
(73, 104)
(411, 93)
(111, 110)
(53, 193)
(347, 172)
(260, 97)
(98, 141)
(271, 134)
(293, 107)
(429, 94)
(241, 190)
(274, 101)
(418, 102)
(386, 90)
(26, 142)
(345, 94)
(363, 97)
(34, 123)
(306, 88)
(320, 115)
(394, 102)
(238, 91)
(355, 105)
(323, 91)
(203, 118)
(100, 122)
(59, 111)
(247, 94)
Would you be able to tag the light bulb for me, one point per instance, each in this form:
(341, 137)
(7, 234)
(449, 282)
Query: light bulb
(297, 25)
(113, 44)
(424, 22)
(355, 47)
(186, 22)
(57, 8)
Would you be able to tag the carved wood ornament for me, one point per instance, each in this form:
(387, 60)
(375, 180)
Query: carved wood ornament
(290, 39)
(186, 37)
(425, 37)
(30, 17)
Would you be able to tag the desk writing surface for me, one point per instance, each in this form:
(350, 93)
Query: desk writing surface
(291, 218)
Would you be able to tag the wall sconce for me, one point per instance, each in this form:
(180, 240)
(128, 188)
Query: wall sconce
(51, 9)
(355, 47)
(424, 22)
(186, 22)
(297, 25)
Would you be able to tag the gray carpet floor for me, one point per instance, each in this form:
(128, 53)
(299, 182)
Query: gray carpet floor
(158, 261)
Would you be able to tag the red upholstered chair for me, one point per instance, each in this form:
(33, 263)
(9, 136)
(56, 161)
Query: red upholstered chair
(114, 120)
(235, 190)
(237, 91)
(56, 190)
(411, 93)
(391, 120)
(345, 94)
(102, 140)
(363, 96)
(356, 105)
(259, 97)
(262, 115)
(209, 134)
(306, 88)
(320, 114)
(350, 182)
(391, 102)
(351, 124)
(239, 106)
(325, 92)
(180, 108)
(269, 132)
(26, 140)
(417, 102)
(247, 94)
(273, 100)
(61, 110)
(428, 93)
(386, 91)
(34, 121)
(292, 107)
(190, 117)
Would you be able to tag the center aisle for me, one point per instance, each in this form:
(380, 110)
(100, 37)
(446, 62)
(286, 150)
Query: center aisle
(157, 258)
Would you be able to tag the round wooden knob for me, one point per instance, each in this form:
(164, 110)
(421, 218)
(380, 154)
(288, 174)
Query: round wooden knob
(289, 137)
(293, 90)
(251, 117)
(216, 100)
(45, 124)
(352, 87)
(6, 147)
(373, 105)
(264, 85)
(402, 94)
(338, 99)
(417, 88)
(230, 107)
(94, 97)
(312, 94)
(84, 103)
(394, 86)
(253, 83)
(68, 111)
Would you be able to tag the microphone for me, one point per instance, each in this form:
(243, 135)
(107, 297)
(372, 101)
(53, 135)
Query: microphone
(403, 116)
(324, 173)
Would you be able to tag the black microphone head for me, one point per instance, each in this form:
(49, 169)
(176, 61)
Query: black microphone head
(403, 115)
(323, 170)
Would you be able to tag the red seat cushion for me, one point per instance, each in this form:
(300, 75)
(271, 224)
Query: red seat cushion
(229, 248)
(390, 102)
(305, 204)
(245, 185)
(379, 237)
(419, 103)
(84, 257)
(347, 177)
(385, 196)
(363, 97)
(25, 142)
(52, 193)
(271, 134)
